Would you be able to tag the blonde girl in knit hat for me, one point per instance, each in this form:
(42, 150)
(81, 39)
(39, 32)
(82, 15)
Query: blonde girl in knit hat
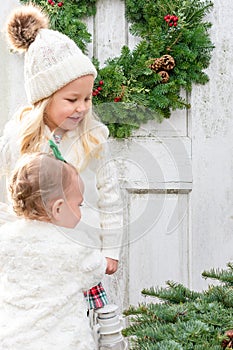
(59, 80)
(43, 270)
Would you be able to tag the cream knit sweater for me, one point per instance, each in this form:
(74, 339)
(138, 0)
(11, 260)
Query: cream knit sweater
(43, 275)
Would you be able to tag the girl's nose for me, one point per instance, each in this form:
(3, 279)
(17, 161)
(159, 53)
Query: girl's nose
(81, 107)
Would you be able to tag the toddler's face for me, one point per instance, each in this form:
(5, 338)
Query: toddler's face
(70, 213)
(70, 104)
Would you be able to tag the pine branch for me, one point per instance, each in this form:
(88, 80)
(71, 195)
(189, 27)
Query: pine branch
(198, 322)
(220, 275)
(176, 293)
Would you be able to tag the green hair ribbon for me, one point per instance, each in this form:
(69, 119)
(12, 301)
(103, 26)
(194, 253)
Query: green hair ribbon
(56, 151)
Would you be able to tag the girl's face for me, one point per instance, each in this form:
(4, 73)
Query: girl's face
(69, 105)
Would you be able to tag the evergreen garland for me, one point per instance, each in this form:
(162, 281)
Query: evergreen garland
(174, 50)
(185, 319)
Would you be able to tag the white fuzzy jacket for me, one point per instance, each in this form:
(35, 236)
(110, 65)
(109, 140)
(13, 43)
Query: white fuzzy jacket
(102, 211)
(43, 273)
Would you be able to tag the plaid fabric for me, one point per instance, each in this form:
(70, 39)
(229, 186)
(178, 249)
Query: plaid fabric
(96, 297)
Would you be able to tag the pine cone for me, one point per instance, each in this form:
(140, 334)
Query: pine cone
(156, 65)
(164, 75)
(168, 62)
(228, 343)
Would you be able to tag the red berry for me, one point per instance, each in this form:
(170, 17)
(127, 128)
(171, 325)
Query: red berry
(117, 99)
(101, 82)
(175, 24)
(52, 3)
(99, 88)
(170, 24)
(60, 4)
(49, 1)
(176, 19)
(93, 93)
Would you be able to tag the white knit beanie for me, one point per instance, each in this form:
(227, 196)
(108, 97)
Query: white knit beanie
(52, 60)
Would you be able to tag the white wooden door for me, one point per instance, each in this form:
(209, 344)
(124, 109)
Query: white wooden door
(155, 174)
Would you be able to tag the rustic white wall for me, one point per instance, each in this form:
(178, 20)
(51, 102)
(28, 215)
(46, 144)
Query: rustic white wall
(173, 231)
(212, 153)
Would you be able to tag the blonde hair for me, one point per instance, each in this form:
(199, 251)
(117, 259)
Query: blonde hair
(38, 180)
(32, 127)
(32, 130)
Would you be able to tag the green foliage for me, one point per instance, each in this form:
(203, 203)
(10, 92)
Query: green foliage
(129, 81)
(133, 80)
(184, 319)
(177, 293)
(68, 18)
(225, 276)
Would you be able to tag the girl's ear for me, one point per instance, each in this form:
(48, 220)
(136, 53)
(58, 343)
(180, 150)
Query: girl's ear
(57, 209)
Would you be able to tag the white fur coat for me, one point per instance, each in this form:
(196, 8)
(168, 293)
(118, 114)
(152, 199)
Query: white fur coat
(43, 273)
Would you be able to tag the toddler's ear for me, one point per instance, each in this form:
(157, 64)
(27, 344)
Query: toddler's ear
(57, 209)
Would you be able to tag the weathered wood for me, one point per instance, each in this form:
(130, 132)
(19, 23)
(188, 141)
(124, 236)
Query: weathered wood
(212, 148)
(158, 242)
(110, 31)
(153, 163)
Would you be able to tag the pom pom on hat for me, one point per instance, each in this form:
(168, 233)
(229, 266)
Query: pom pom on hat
(52, 60)
(23, 26)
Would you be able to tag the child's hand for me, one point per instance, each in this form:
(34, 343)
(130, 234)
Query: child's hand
(112, 266)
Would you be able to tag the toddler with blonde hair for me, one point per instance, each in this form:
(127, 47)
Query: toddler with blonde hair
(44, 271)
